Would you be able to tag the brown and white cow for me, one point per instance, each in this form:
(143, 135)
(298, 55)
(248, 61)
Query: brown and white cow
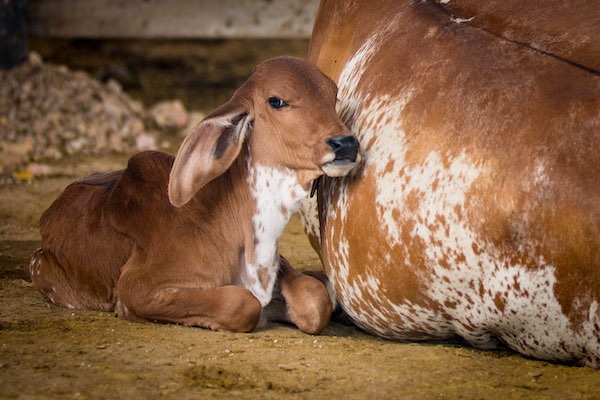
(192, 239)
(477, 210)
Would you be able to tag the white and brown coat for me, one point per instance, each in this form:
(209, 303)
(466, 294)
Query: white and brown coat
(477, 211)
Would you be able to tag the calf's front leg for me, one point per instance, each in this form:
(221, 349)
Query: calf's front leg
(299, 299)
(229, 308)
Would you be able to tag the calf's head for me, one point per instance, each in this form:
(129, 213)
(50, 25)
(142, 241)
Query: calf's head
(285, 115)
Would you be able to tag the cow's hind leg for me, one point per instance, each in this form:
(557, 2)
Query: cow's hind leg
(229, 308)
(52, 280)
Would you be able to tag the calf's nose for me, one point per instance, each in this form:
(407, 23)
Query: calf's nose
(344, 147)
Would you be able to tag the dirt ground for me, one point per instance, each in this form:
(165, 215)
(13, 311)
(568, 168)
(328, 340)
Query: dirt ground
(48, 352)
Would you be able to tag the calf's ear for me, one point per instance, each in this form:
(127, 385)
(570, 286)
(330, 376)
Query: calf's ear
(209, 149)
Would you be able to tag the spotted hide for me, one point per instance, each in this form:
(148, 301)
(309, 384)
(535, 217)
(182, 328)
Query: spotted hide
(476, 212)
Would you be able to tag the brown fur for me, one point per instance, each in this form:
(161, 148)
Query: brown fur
(166, 239)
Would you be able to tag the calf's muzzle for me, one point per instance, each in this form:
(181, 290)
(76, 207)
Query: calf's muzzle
(345, 155)
(345, 148)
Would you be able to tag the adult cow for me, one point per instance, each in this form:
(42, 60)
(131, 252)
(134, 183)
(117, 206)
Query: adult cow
(477, 210)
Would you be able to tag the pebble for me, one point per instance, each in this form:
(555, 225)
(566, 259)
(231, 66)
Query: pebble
(169, 115)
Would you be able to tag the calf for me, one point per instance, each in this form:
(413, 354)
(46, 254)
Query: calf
(192, 239)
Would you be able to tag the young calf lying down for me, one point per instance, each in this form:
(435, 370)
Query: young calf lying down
(192, 239)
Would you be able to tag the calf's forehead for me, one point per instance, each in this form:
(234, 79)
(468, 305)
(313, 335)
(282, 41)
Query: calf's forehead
(287, 75)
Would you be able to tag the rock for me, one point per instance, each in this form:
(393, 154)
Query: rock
(114, 86)
(145, 142)
(169, 116)
(75, 146)
(113, 107)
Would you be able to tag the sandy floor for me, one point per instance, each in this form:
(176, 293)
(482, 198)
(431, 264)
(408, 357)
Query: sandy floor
(50, 352)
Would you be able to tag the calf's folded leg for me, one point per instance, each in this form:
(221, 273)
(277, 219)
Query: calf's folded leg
(306, 302)
(229, 308)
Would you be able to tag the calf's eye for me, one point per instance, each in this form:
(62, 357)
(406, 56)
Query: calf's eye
(276, 102)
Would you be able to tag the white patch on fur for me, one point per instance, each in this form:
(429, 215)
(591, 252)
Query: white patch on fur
(461, 20)
(349, 79)
(278, 195)
(35, 263)
(123, 310)
(541, 182)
